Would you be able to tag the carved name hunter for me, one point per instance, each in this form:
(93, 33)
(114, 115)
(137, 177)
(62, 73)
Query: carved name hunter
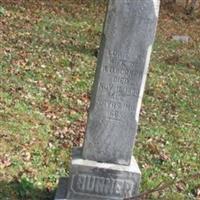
(101, 186)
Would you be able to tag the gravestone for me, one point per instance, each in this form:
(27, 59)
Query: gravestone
(104, 169)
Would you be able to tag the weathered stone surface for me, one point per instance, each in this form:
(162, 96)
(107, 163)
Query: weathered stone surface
(61, 193)
(122, 67)
(181, 38)
(91, 180)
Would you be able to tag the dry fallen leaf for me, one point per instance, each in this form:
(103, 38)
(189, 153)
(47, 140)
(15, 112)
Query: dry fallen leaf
(153, 148)
(26, 156)
(164, 156)
(198, 193)
(181, 186)
(5, 162)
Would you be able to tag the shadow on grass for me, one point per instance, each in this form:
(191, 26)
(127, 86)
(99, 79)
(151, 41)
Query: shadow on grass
(83, 50)
(23, 190)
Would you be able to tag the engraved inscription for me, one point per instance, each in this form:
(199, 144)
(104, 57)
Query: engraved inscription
(89, 184)
(116, 110)
(116, 105)
(123, 70)
(101, 186)
(121, 84)
(116, 92)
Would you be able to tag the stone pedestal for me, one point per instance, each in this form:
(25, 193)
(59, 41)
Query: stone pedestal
(91, 180)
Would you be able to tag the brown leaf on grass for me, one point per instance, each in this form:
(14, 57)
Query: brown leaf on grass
(146, 166)
(71, 135)
(26, 156)
(180, 186)
(49, 186)
(164, 156)
(190, 66)
(31, 171)
(198, 193)
(51, 111)
(5, 161)
(172, 60)
(152, 147)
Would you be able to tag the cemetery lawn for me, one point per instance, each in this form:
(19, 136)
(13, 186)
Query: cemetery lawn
(47, 64)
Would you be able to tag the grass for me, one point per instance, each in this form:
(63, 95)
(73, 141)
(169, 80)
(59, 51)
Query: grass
(47, 64)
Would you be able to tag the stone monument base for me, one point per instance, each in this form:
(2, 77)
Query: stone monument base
(91, 180)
